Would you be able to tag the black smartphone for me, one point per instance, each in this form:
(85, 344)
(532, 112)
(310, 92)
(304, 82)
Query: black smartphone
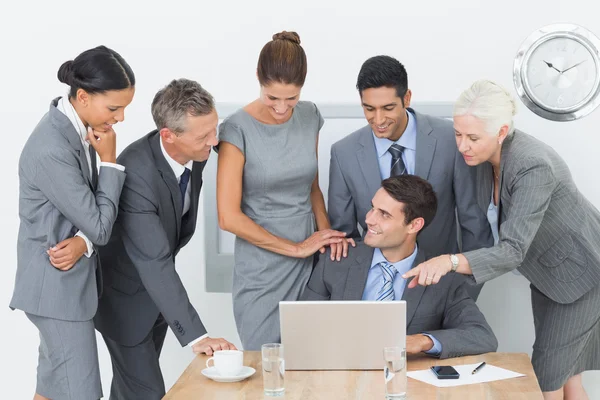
(445, 372)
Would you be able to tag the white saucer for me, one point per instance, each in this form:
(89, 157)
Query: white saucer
(213, 374)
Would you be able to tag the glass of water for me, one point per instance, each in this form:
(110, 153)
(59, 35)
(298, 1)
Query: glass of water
(395, 373)
(273, 367)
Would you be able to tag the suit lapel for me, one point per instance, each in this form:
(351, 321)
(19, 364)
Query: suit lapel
(67, 129)
(168, 177)
(506, 146)
(84, 165)
(413, 296)
(366, 155)
(357, 274)
(425, 145)
(484, 186)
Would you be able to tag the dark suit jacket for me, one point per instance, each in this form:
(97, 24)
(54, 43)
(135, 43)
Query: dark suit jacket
(139, 260)
(445, 310)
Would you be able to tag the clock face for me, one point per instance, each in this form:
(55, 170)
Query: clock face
(561, 74)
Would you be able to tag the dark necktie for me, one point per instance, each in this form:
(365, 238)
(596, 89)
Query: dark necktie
(183, 183)
(94, 168)
(398, 167)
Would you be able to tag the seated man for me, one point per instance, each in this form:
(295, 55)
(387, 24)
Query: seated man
(442, 320)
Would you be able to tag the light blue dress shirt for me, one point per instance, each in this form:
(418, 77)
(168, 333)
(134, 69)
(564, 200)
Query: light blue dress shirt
(375, 283)
(408, 140)
(492, 216)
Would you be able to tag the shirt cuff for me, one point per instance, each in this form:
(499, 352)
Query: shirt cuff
(90, 246)
(436, 350)
(193, 342)
(112, 165)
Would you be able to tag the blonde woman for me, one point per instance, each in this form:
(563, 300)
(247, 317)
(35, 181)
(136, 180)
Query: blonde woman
(545, 228)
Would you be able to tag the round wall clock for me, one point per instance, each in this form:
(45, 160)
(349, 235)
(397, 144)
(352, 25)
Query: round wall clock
(557, 72)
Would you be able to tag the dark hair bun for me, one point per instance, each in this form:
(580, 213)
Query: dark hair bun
(285, 35)
(65, 72)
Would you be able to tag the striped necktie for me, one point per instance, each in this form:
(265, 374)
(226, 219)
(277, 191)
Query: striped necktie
(386, 293)
(398, 167)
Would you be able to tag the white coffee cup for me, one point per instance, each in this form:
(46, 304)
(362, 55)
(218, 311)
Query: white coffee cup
(227, 362)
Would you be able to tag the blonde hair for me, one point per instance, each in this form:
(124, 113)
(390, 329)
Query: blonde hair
(488, 102)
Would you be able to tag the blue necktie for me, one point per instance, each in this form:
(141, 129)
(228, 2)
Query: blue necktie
(398, 167)
(183, 182)
(386, 293)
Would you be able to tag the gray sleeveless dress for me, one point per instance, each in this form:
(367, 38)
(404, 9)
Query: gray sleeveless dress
(280, 167)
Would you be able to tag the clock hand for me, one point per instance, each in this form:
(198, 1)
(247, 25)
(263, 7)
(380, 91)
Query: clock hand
(573, 66)
(553, 67)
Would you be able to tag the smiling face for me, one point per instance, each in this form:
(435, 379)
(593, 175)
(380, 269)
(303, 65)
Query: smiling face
(386, 224)
(474, 143)
(385, 111)
(280, 99)
(102, 110)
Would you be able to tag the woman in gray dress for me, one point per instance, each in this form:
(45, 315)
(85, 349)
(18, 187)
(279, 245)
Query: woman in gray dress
(547, 230)
(268, 193)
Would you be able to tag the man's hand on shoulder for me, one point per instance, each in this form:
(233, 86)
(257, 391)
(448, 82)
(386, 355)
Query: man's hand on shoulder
(209, 345)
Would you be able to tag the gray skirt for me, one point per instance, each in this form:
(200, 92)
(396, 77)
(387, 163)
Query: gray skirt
(567, 338)
(261, 279)
(68, 359)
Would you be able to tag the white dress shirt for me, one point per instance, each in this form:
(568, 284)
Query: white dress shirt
(65, 106)
(178, 169)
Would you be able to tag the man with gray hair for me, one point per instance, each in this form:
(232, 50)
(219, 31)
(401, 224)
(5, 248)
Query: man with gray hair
(143, 294)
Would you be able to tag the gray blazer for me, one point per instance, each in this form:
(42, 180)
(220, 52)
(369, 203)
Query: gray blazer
(445, 310)
(354, 178)
(57, 199)
(548, 230)
(140, 280)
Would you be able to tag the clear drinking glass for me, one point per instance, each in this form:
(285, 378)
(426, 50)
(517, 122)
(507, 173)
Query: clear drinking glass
(273, 366)
(395, 373)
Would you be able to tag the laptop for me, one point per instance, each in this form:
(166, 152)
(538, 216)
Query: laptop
(340, 335)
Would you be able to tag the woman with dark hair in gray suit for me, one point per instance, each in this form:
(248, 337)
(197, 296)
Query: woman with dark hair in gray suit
(66, 209)
(543, 226)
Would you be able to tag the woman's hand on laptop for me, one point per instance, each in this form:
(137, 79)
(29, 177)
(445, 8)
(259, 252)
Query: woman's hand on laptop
(209, 345)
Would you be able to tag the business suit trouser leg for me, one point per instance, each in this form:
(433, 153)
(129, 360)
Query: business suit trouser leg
(136, 369)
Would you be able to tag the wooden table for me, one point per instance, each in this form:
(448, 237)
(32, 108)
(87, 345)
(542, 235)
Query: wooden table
(363, 385)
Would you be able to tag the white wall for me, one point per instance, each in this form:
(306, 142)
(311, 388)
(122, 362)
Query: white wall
(444, 45)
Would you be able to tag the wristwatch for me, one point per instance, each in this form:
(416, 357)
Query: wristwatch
(454, 261)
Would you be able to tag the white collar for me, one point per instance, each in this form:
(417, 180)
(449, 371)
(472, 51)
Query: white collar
(177, 168)
(65, 106)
